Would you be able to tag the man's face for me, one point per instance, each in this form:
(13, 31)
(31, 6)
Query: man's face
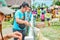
(28, 9)
(25, 9)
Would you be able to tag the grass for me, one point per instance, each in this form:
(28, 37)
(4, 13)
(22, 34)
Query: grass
(6, 24)
(52, 32)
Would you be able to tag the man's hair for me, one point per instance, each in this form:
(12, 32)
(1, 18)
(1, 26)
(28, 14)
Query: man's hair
(42, 13)
(24, 4)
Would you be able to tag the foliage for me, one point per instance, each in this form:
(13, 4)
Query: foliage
(57, 3)
(33, 7)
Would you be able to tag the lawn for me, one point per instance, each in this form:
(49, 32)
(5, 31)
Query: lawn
(52, 32)
(6, 24)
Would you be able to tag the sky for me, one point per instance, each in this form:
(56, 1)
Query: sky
(47, 2)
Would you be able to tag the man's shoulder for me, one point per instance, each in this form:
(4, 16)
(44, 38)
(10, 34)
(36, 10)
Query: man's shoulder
(18, 11)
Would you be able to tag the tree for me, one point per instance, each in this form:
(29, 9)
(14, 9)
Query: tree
(57, 3)
(33, 7)
(3, 2)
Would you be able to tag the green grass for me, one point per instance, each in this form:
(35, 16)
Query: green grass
(6, 24)
(52, 32)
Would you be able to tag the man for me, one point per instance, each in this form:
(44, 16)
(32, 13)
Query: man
(8, 36)
(19, 21)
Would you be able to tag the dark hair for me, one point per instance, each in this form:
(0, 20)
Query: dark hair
(24, 4)
(42, 13)
(42, 8)
(20, 6)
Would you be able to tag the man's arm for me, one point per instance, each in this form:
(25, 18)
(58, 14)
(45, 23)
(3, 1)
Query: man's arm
(18, 20)
(22, 22)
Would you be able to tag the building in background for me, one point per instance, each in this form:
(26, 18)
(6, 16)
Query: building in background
(11, 5)
(17, 2)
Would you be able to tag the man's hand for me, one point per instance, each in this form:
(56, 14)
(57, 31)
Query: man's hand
(17, 35)
(27, 23)
(13, 35)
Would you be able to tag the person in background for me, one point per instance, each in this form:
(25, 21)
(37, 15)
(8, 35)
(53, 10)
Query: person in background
(56, 11)
(43, 10)
(34, 12)
(8, 36)
(38, 12)
(19, 22)
(42, 17)
(48, 17)
(53, 13)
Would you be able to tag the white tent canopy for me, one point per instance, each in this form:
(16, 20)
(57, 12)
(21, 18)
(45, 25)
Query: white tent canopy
(6, 10)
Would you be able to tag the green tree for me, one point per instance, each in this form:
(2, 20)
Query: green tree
(3, 2)
(57, 3)
(33, 7)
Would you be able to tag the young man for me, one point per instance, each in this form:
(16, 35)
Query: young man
(19, 21)
(8, 36)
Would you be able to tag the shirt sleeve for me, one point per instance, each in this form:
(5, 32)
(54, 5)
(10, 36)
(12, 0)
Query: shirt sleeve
(17, 14)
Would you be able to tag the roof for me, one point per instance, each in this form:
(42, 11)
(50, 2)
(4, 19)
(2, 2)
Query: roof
(17, 2)
(6, 10)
